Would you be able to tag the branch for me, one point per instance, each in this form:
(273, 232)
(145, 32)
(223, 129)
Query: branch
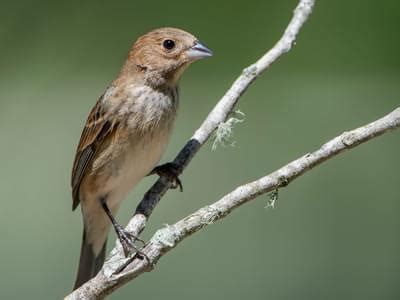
(115, 271)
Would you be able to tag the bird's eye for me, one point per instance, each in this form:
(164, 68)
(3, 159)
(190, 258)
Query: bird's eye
(169, 44)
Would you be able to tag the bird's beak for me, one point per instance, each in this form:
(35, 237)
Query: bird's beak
(198, 51)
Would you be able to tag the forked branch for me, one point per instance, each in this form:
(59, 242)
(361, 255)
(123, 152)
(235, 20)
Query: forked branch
(118, 270)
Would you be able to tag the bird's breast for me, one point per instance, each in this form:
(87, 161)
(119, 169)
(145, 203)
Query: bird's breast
(144, 108)
(146, 119)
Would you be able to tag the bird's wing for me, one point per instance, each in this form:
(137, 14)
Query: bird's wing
(97, 128)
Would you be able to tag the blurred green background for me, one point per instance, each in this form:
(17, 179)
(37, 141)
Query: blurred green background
(334, 233)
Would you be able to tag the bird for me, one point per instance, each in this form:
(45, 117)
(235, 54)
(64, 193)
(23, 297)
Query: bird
(125, 135)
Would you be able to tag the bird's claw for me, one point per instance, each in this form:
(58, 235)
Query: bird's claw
(128, 241)
(172, 172)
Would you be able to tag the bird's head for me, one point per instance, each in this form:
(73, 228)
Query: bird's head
(163, 54)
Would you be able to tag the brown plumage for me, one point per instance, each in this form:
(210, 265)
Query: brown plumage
(125, 135)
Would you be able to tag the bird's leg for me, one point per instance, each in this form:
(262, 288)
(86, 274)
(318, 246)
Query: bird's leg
(171, 171)
(126, 239)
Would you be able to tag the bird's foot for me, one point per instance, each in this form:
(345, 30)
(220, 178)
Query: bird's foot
(128, 241)
(172, 172)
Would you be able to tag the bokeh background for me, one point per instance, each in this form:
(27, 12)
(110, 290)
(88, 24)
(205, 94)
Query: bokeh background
(334, 233)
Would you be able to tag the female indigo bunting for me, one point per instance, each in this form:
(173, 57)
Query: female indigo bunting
(125, 135)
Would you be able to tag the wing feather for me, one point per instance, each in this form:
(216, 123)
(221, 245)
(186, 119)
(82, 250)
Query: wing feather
(98, 127)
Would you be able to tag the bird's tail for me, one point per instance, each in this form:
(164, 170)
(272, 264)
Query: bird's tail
(89, 263)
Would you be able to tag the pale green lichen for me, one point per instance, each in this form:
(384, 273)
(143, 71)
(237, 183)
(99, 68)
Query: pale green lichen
(271, 201)
(224, 133)
(166, 236)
